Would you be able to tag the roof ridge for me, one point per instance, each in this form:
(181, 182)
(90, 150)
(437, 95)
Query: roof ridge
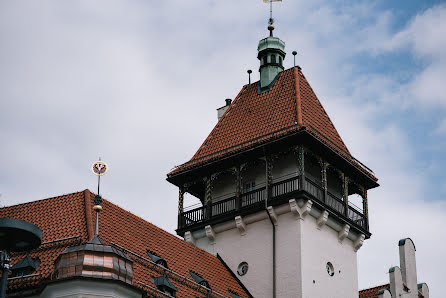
(325, 112)
(297, 96)
(88, 217)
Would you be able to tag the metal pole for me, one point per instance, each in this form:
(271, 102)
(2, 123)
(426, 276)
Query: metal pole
(5, 270)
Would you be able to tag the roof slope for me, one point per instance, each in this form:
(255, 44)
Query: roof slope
(254, 118)
(72, 215)
(373, 292)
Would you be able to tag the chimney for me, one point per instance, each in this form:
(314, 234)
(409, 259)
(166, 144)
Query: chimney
(222, 110)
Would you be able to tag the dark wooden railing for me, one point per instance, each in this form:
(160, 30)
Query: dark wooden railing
(278, 189)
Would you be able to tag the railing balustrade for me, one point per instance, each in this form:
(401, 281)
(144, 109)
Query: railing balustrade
(200, 214)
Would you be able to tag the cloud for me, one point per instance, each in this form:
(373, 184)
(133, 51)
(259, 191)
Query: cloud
(138, 84)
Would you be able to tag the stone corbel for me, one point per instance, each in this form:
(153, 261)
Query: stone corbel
(241, 226)
(358, 242)
(343, 232)
(300, 212)
(322, 219)
(210, 234)
(189, 238)
(273, 215)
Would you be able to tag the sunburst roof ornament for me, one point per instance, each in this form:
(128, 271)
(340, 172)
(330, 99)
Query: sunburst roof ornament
(99, 168)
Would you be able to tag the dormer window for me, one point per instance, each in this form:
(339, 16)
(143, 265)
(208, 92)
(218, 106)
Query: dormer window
(199, 280)
(165, 286)
(25, 266)
(156, 259)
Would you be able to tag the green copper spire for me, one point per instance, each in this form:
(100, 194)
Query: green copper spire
(271, 53)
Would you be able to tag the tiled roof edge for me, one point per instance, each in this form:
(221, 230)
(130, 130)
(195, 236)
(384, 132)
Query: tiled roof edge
(234, 276)
(217, 125)
(50, 198)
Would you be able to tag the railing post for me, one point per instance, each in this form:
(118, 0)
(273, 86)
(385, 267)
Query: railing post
(345, 188)
(208, 197)
(301, 167)
(238, 187)
(365, 208)
(324, 179)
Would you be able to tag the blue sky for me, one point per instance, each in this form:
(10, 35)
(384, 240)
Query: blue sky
(137, 83)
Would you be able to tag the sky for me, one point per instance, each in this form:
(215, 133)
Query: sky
(137, 83)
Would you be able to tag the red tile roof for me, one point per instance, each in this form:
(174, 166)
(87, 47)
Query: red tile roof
(253, 119)
(373, 292)
(72, 216)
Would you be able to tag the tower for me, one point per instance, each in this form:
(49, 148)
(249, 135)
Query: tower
(276, 185)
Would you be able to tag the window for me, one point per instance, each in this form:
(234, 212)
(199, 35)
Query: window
(164, 285)
(199, 280)
(242, 268)
(273, 58)
(249, 186)
(280, 60)
(25, 266)
(265, 61)
(157, 260)
(330, 269)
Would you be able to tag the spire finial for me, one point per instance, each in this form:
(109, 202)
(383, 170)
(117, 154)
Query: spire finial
(99, 168)
(271, 19)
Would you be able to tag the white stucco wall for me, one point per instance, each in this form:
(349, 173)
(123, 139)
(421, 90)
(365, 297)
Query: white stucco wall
(320, 246)
(302, 252)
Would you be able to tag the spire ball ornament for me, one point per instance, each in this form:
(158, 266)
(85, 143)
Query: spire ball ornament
(99, 168)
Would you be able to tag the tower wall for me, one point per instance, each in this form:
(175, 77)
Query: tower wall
(302, 252)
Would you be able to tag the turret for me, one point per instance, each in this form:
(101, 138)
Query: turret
(271, 53)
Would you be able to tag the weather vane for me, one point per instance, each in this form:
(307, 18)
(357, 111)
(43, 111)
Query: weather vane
(99, 168)
(271, 20)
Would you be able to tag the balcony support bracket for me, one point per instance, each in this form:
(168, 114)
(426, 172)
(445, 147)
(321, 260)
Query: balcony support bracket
(322, 219)
(302, 211)
(210, 234)
(343, 232)
(241, 226)
(358, 242)
(189, 238)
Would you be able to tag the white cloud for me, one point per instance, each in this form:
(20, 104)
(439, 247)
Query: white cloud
(138, 84)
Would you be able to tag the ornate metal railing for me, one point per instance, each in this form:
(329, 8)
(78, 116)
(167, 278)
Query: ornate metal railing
(277, 190)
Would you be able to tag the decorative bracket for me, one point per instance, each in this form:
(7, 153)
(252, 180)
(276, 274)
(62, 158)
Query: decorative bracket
(322, 219)
(241, 226)
(300, 212)
(189, 238)
(358, 242)
(273, 215)
(210, 233)
(343, 232)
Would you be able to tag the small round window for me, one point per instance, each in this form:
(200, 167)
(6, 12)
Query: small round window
(242, 268)
(330, 269)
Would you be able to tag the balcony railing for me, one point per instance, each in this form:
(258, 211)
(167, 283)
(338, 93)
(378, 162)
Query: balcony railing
(278, 190)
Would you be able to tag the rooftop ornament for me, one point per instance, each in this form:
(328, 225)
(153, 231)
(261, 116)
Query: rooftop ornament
(15, 236)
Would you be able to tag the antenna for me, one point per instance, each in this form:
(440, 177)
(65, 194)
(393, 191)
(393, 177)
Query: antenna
(99, 168)
(249, 76)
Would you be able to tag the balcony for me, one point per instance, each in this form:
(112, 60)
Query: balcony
(280, 193)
